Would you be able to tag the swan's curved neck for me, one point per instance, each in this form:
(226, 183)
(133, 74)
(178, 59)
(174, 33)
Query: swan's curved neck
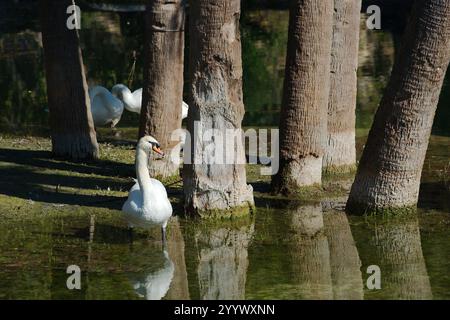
(143, 175)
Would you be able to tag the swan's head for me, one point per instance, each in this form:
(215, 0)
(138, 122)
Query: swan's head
(119, 89)
(148, 143)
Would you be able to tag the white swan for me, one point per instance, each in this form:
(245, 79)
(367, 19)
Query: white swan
(105, 107)
(156, 284)
(133, 100)
(184, 110)
(147, 203)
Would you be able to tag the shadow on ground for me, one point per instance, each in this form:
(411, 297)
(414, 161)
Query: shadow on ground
(434, 195)
(36, 176)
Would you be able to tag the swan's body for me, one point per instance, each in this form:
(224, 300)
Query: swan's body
(147, 203)
(155, 285)
(133, 100)
(105, 107)
(184, 110)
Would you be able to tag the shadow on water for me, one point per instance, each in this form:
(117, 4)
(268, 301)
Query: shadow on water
(435, 195)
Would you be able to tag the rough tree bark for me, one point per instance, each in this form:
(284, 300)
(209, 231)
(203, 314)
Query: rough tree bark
(306, 86)
(163, 79)
(340, 152)
(388, 177)
(211, 187)
(72, 129)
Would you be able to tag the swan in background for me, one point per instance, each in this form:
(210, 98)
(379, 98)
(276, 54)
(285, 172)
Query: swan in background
(105, 107)
(133, 100)
(156, 284)
(147, 204)
(184, 110)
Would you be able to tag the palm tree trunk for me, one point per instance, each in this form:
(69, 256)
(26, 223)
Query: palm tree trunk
(163, 78)
(216, 103)
(340, 153)
(72, 130)
(303, 116)
(388, 176)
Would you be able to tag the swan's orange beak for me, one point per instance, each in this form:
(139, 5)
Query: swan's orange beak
(158, 150)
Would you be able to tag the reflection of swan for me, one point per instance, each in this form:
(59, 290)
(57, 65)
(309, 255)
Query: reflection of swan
(133, 100)
(147, 202)
(105, 107)
(156, 284)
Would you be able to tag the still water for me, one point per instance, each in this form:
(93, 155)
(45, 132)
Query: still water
(298, 252)
(288, 250)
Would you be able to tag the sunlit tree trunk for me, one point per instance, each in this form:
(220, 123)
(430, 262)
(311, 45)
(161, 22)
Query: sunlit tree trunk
(389, 172)
(340, 152)
(72, 130)
(216, 102)
(163, 78)
(306, 86)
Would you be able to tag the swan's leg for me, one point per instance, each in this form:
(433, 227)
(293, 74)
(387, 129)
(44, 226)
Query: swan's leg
(115, 132)
(114, 123)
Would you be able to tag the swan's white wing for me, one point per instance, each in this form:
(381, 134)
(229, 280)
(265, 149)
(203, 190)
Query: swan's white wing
(138, 96)
(105, 107)
(158, 188)
(98, 108)
(158, 212)
(136, 103)
(115, 107)
(134, 202)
